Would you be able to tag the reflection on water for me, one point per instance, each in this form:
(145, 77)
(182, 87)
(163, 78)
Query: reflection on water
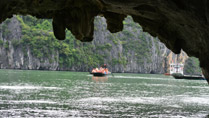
(100, 79)
(70, 94)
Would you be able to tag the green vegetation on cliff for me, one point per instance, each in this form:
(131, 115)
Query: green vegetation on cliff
(37, 36)
(130, 50)
(192, 66)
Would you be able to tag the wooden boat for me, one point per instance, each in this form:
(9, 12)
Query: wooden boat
(190, 77)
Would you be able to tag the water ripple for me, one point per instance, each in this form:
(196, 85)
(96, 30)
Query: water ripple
(28, 87)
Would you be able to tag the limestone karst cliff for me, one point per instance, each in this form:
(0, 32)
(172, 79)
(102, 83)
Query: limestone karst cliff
(27, 43)
(178, 24)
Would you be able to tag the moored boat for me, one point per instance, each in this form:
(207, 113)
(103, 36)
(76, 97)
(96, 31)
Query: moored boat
(175, 68)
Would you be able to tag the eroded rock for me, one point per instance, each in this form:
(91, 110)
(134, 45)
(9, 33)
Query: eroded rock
(180, 24)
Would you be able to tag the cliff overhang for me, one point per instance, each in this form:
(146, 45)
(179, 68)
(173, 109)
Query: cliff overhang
(179, 24)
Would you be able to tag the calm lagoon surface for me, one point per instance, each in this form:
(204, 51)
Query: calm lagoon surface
(78, 94)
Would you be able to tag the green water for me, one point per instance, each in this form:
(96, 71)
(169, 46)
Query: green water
(75, 94)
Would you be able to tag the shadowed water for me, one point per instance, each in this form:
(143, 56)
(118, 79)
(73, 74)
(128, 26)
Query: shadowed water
(75, 94)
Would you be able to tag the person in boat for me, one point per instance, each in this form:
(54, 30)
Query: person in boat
(105, 66)
(102, 69)
(95, 70)
(105, 70)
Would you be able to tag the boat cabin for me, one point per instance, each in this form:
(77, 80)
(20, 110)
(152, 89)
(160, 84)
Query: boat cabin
(176, 68)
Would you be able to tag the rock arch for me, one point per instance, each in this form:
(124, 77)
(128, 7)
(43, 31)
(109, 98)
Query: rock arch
(179, 24)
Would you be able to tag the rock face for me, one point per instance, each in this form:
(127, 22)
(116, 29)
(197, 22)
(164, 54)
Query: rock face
(13, 57)
(125, 51)
(124, 54)
(179, 24)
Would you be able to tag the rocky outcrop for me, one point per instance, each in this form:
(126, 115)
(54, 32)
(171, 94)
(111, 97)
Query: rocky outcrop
(13, 57)
(125, 51)
(178, 24)
(149, 59)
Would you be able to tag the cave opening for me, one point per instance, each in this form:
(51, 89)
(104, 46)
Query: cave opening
(131, 51)
(30, 42)
(179, 25)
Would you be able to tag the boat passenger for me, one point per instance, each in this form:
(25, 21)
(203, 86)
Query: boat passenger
(101, 69)
(97, 70)
(106, 71)
(104, 66)
(94, 70)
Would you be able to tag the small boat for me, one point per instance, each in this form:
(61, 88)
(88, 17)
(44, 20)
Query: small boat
(190, 77)
(102, 71)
